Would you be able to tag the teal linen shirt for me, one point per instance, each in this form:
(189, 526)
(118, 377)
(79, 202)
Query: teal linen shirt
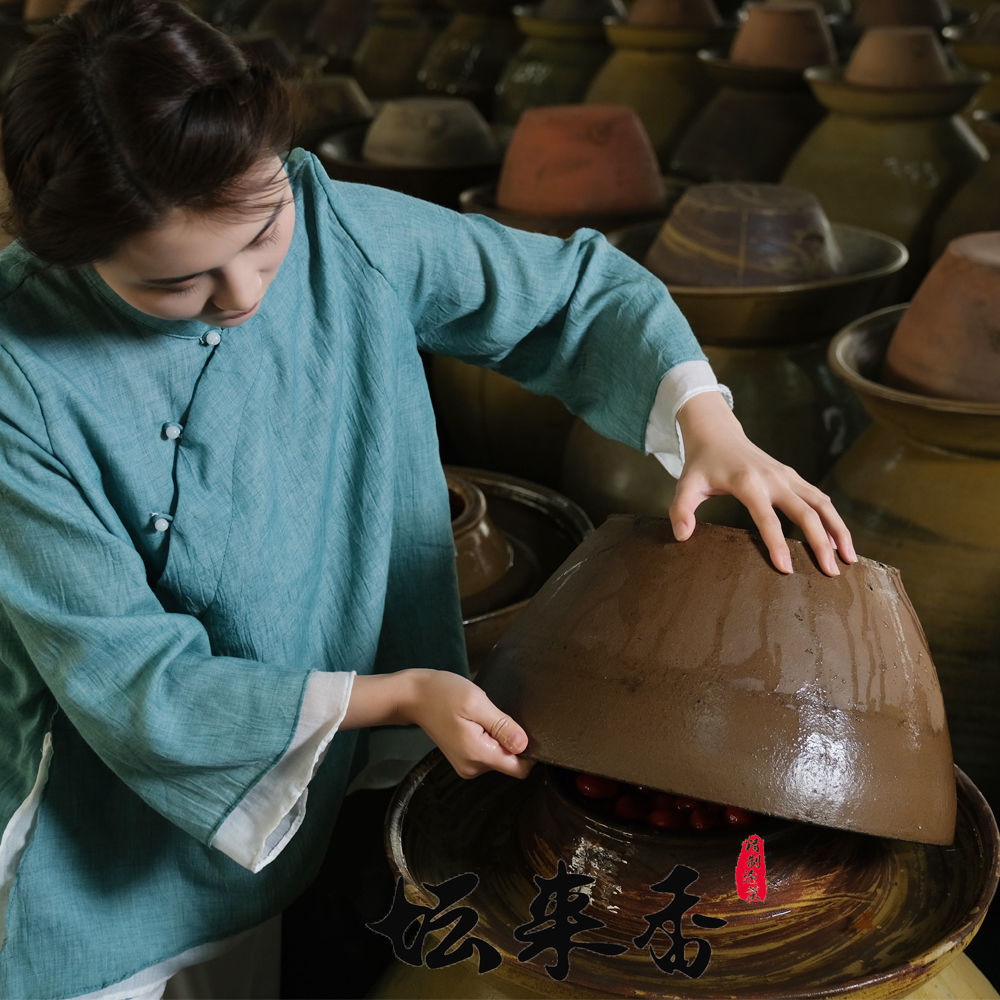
(308, 529)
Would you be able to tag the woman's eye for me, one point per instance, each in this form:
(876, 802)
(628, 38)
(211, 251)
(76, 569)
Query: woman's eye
(178, 289)
(266, 238)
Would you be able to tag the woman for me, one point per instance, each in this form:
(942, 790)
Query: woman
(227, 544)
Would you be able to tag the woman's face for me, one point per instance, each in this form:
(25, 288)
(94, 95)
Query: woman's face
(200, 266)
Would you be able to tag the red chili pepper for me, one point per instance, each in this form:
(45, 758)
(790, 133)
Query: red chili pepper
(593, 786)
(667, 819)
(632, 807)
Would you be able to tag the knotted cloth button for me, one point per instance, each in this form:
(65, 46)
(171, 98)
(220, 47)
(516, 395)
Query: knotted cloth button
(212, 338)
(172, 431)
(160, 522)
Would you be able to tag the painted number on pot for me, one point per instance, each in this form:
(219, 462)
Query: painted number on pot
(919, 173)
(751, 871)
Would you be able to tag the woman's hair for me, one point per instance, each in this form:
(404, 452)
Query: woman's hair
(124, 111)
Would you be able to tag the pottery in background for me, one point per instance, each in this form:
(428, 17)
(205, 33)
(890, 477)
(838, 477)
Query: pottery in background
(877, 13)
(325, 103)
(783, 36)
(947, 343)
(977, 47)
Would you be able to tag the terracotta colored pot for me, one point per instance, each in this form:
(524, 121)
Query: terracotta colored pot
(740, 234)
(388, 57)
(898, 57)
(752, 126)
(872, 13)
(341, 155)
(888, 158)
(927, 901)
(591, 158)
(536, 526)
(975, 206)
(920, 488)
(554, 65)
(656, 71)
(947, 343)
(467, 58)
(430, 132)
(674, 14)
(769, 346)
(783, 36)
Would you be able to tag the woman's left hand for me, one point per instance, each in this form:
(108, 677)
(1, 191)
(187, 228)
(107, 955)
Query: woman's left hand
(720, 459)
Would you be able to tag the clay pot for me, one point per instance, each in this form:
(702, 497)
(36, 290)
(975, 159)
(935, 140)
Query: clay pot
(977, 47)
(578, 10)
(783, 36)
(467, 58)
(898, 58)
(948, 342)
(326, 103)
(928, 900)
(580, 159)
(889, 158)
(975, 206)
(768, 344)
(921, 488)
(741, 234)
(554, 65)
(876, 13)
(388, 57)
(510, 534)
(655, 68)
(430, 132)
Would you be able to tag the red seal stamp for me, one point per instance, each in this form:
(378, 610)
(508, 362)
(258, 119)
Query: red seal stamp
(751, 871)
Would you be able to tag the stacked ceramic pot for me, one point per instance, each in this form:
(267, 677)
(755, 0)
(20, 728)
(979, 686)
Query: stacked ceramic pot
(663, 671)
(765, 280)
(920, 488)
(467, 58)
(564, 46)
(655, 68)
(893, 150)
(388, 57)
(565, 167)
(428, 147)
(326, 103)
(763, 109)
(977, 47)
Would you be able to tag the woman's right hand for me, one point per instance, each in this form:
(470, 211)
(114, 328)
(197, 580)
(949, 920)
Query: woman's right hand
(467, 727)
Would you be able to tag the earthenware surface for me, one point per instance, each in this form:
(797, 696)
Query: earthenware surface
(845, 914)
(898, 57)
(804, 696)
(789, 36)
(868, 13)
(674, 14)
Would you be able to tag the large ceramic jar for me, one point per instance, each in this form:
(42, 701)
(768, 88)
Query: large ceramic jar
(655, 70)
(388, 57)
(977, 47)
(556, 61)
(920, 490)
(767, 342)
(467, 58)
(763, 108)
(889, 155)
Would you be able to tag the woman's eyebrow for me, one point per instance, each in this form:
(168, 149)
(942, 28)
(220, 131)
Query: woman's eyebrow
(187, 277)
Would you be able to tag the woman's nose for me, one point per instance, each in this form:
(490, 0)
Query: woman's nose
(237, 289)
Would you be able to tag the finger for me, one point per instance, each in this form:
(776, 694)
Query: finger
(687, 498)
(769, 526)
(838, 531)
(506, 732)
(816, 535)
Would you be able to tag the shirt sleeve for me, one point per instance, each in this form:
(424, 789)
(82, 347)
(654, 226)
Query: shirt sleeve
(199, 737)
(575, 318)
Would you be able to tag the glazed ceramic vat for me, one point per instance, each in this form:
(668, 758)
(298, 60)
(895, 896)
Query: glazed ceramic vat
(763, 108)
(655, 68)
(564, 46)
(389, 54)
(510, 534)
(767, 343)
(977, 47)
(467, 58)
(920, 488)
(889, 157)
(429, 147)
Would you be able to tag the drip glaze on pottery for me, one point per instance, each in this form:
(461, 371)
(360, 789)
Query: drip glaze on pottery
(947, 343)
(704, 671)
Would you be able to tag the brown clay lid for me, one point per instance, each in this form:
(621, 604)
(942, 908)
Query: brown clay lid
(739, 234)
(873, 13)
(788, 36)
(898, 57)
(574, 158)
(674, 14)
(430, 132)
(697, 668)
(947, 343)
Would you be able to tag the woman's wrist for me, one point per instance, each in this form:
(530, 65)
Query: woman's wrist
(382, 700)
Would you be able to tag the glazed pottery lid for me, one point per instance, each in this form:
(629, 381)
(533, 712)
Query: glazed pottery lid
(741, 233)
(947, 343)
(873, 13)
(580, 158)
(699, 669)
(430, 132)
(789, 36)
